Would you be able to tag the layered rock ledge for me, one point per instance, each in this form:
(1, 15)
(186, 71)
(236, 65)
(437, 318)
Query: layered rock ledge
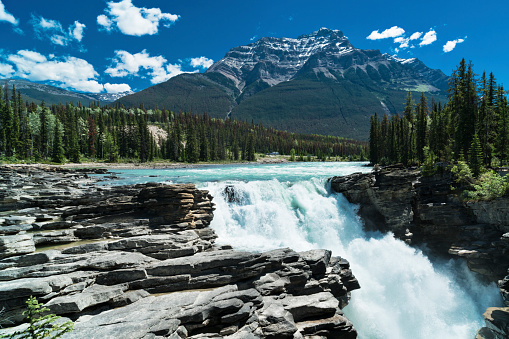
(425, 210)
(140, 261)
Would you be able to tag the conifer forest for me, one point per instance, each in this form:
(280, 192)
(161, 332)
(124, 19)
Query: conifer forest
(74, 133)
(473, 126)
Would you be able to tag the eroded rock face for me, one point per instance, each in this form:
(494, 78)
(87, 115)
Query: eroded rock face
(140, 262)
(424, 210)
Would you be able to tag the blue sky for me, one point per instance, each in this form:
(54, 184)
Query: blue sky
(111, 46)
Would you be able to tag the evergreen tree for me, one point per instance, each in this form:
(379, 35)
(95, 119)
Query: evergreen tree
(57, 155)
(92, 132)
(374, 140)
(476, 156)
(408, 130)
(44, 132)
(503, 126)
(192, 147)
(421, 128)
(251, 148)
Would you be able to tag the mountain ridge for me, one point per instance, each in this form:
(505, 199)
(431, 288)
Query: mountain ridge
(35, 92)
(316, 83)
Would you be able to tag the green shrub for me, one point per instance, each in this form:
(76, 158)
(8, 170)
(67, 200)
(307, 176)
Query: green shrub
(41, 326)
(463, 173)
(429, 167)
(490, 186)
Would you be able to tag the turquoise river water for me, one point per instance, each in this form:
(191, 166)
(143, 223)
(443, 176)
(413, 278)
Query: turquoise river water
(403, 294)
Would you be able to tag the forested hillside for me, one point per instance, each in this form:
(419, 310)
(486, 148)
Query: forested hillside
(473, 126)
(60, 133)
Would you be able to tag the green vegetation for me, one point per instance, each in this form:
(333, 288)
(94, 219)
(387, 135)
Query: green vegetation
(37, 133)
(489, 186)
(474, 123)
(41, 325)
(471, 129)
(338, 103)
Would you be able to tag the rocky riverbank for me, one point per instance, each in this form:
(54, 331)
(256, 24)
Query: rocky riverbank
(426, 211)
(140, 261)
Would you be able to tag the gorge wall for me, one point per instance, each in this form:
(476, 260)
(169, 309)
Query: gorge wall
(427, 211)
(140, 261)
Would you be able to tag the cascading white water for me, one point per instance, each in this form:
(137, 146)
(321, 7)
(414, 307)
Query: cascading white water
(403, 294)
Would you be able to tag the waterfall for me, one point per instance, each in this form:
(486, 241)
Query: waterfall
(403, 294)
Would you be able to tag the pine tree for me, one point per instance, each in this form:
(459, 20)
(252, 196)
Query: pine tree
(251, 148)
(408, 131)
(476, 156)
(421, 127)
(58, 154)
(92, 132)
(374, 140)
(192, 147)
(502, 142)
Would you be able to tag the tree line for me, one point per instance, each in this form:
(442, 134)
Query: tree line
(30, 132)
(473, 126)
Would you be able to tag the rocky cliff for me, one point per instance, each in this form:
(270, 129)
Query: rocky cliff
(140, 262)
(426, 210)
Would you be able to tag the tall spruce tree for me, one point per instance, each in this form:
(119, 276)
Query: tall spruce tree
(58, 154)
(476, 156)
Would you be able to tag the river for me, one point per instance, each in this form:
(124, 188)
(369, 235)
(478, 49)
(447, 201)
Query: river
(404, 294)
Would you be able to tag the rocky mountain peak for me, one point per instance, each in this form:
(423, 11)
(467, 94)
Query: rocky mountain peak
(324, 32)
(274, 60)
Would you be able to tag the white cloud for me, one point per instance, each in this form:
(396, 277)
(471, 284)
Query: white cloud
(116, 88)
(201, 62)
(53, 30)
(450, 45)
(132, 20)
(6, 70)
(130, 64)
(6, 16)
(50, 24)
(76, 30)
(415, 36)
(392, 32)
(156, 68)
(403, 42)
(429, 38)
(68, 72)
(58, 40)
(105, 22)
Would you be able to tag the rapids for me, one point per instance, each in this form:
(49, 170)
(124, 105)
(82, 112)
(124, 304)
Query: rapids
(403, 294)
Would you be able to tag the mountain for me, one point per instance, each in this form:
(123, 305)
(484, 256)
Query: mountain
(34, 92)
(317, 83)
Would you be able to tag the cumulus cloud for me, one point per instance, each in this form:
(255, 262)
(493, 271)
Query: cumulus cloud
(6, 16)
(429, 38)
(68, 72)
(116, 88)
(105, 22)
(76, 30)
(132, 20)
(403, 42)
(157, 68)
(54, 31)
(201, 62)
(392, 32)
(6, 70)
(415, 36)
(450, 45)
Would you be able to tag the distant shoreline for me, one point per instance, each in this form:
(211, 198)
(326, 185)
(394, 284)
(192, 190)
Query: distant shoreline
(148, 165)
